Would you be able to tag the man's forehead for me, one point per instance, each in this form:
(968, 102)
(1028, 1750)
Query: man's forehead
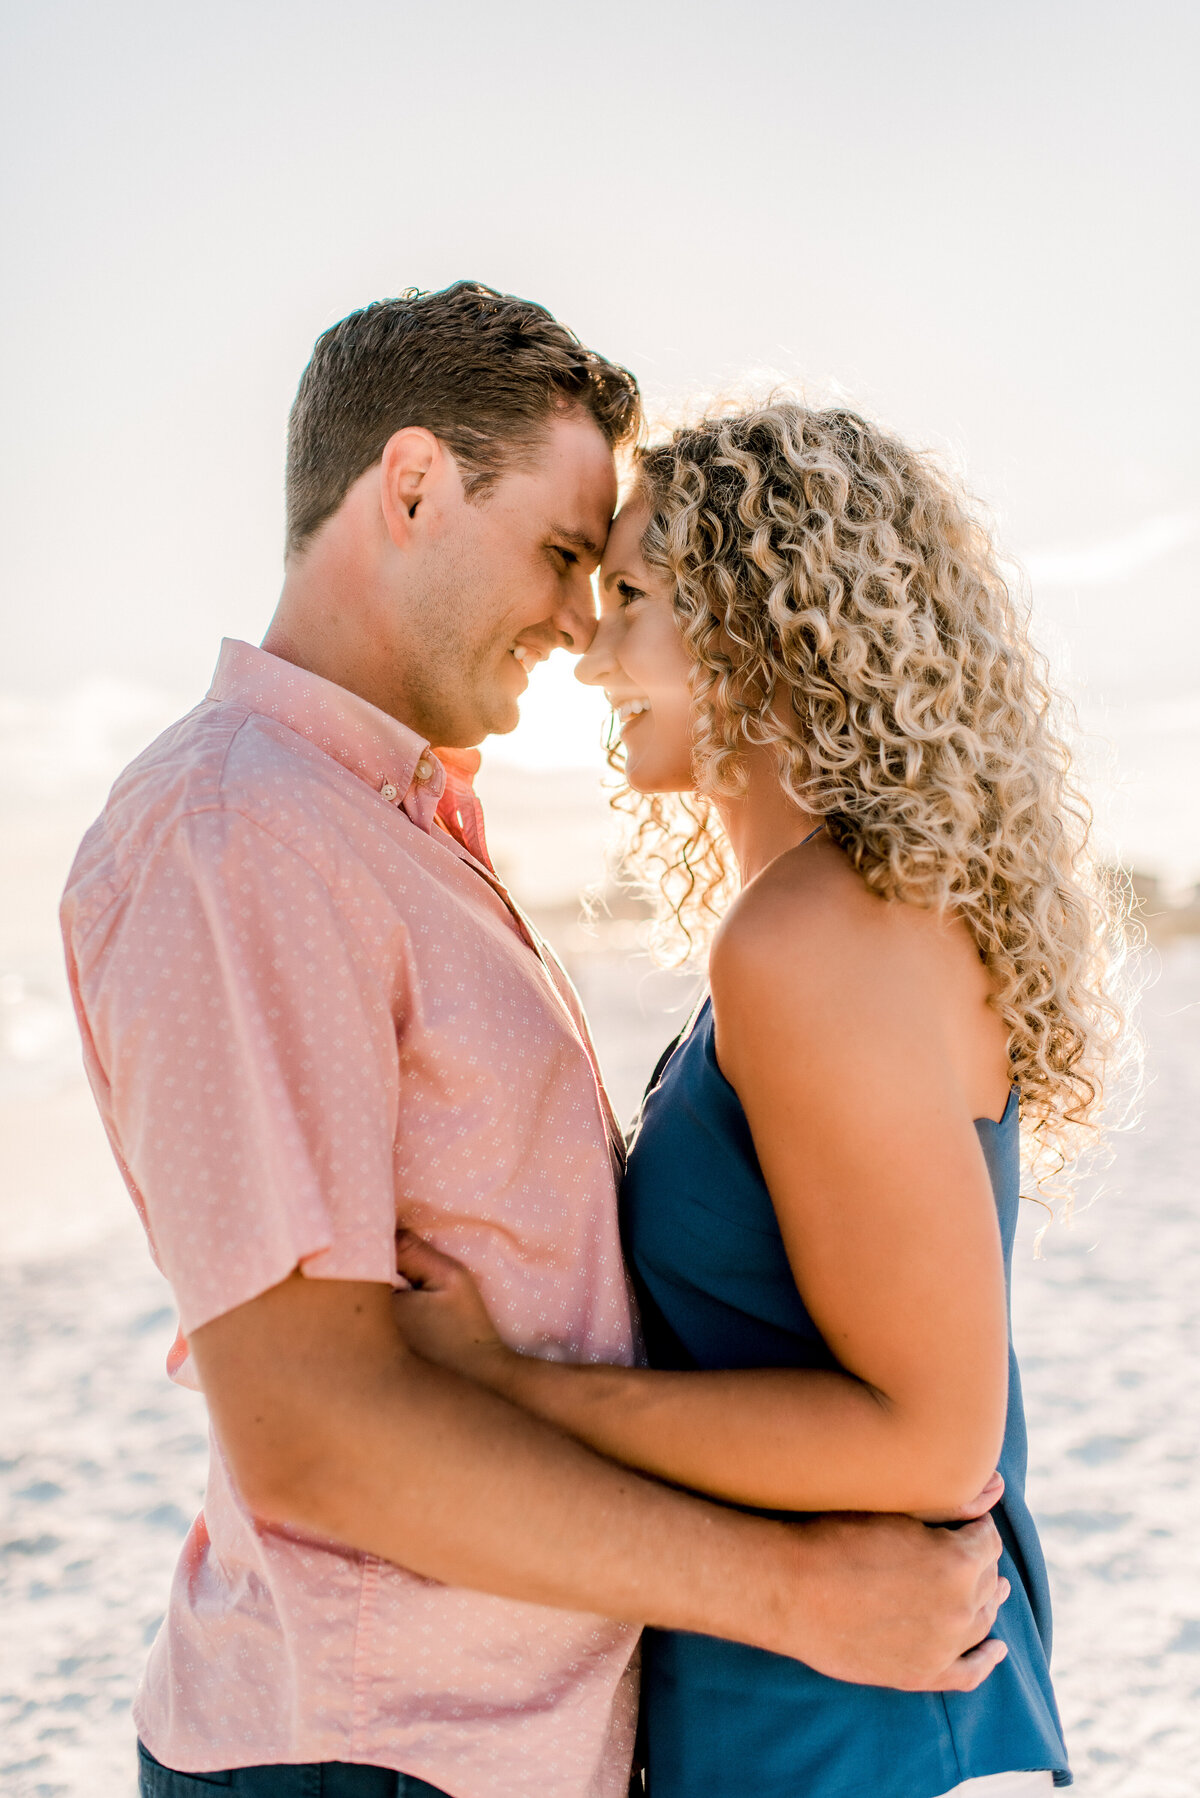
(565, 492)
(577, 457)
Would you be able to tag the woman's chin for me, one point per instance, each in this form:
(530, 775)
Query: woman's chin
(642, 776)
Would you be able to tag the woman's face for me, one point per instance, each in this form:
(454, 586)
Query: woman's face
(638, 657)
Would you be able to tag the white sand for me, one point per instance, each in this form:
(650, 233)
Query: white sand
(102, 1460)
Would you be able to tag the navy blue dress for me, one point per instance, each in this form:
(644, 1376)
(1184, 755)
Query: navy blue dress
(716, 1291)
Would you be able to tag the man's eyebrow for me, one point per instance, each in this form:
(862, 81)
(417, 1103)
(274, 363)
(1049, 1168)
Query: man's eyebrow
(577, 540)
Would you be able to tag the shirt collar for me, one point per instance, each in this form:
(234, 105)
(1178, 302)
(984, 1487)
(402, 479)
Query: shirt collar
(391, 759)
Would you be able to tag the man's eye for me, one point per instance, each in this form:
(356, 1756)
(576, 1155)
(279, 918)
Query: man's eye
(568, 555)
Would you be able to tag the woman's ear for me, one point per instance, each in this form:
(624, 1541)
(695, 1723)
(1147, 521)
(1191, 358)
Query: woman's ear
(411, 461)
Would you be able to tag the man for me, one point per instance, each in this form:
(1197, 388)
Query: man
(309, 1010)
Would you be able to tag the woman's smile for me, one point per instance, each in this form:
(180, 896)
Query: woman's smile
(638, 656)
(629, 711)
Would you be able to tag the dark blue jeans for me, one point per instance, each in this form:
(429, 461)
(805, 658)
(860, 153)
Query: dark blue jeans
(326, 1779)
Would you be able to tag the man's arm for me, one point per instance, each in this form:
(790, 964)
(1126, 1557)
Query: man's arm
(250, 1045)
(329, 1424)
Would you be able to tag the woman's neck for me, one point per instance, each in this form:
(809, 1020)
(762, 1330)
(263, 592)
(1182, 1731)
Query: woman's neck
(763, 821)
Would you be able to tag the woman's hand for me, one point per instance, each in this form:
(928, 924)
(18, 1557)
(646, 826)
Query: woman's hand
(985, 1501)
(442, 1315)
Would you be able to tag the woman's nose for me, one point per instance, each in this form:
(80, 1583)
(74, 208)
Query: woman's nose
(596, 663)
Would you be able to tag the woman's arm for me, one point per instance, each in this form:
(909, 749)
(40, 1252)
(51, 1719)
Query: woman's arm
(750, 1436)
(842, 1061)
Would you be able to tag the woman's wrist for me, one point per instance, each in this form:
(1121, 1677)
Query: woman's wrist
(497, 1367)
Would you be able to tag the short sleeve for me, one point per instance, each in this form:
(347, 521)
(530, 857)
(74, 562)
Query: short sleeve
(248, 1042)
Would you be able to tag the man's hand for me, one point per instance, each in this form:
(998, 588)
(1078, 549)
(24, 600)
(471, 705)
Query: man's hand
(888, 1601)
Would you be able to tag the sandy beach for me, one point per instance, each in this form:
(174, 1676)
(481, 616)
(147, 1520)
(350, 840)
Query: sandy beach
(965, 224)
(102, 1460)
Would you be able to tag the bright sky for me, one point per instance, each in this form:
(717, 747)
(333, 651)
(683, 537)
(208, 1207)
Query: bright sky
(977, 222)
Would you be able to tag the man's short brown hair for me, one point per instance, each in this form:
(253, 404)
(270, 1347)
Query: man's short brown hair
(482, 370)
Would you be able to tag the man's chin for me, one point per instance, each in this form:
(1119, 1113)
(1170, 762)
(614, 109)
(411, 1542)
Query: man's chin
(503, 714)
(497, 717)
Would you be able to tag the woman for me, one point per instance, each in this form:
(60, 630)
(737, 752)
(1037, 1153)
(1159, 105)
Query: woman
(816, 668)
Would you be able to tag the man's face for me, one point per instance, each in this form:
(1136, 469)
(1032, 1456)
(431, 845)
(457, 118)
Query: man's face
(500, 582)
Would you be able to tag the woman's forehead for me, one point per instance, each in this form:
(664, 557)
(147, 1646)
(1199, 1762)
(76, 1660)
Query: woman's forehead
(624, 546)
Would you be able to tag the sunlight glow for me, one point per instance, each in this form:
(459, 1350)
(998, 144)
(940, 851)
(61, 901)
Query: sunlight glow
(562, 722)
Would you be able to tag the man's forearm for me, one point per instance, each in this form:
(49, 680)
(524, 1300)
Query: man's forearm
(331, 1425)
(456, 1483)
(377, 1448)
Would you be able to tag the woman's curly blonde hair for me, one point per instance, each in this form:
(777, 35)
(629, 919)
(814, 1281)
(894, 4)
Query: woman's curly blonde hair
(842, 603)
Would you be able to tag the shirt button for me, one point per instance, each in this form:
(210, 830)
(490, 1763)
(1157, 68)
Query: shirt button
(388, 791)
(423, 769)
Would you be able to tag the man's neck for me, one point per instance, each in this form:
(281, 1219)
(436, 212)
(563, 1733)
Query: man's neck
(315, 628)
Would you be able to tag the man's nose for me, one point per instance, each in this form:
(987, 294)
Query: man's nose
(576, 619)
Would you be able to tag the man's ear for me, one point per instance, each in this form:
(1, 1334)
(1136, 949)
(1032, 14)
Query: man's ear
(411, 460)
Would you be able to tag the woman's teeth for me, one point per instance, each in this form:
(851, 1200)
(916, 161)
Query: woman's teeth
(632, 708)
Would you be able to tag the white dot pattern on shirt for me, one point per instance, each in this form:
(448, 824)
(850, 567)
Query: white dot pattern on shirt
(310, 1016)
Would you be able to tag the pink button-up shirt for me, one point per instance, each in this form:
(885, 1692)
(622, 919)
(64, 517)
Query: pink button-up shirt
(308, 1009)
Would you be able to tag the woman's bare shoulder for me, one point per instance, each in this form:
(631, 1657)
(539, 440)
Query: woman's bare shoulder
(809, 940)
(808, 911)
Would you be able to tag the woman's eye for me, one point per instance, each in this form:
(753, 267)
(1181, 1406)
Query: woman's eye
(627, 594)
